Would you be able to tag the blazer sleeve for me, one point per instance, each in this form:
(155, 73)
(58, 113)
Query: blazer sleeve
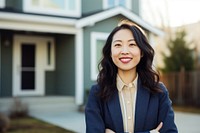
(93, 113)
(166, 113)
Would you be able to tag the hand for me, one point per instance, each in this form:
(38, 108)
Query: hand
(157, 129)
(109, 131)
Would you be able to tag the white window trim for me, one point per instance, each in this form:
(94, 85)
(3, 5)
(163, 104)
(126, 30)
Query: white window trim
(2, 3)
(27, 7)
(128, 4)
(94, 37)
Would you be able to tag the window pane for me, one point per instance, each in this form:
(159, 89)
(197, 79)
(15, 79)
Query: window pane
(35, 2)
(49, 53)
(111, 3)
(54, 4)
(2, 3)
(100, 44)
(28, 80)
(28, 55)
(122, 3)
(71, 4)
(54, 7)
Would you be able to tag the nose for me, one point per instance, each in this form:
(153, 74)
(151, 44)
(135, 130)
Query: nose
(125, 50)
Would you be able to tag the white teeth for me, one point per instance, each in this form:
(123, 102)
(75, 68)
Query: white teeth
(125, 60)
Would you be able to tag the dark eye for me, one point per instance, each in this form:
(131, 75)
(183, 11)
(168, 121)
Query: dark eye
(133, 44)
(117, 45)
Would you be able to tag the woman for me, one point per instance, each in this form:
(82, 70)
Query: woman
(128, 96)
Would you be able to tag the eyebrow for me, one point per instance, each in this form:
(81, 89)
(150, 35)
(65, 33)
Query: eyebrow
(121, 40)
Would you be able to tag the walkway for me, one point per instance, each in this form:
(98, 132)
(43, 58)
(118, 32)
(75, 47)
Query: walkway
(74, 121)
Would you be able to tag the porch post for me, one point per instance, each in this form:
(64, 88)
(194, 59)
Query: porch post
(79, 84)
(0, 64)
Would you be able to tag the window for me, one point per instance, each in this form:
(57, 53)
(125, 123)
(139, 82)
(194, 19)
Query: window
(50, 55)
(53, 7)
(97, 42)
(2, 3)
(112, 3)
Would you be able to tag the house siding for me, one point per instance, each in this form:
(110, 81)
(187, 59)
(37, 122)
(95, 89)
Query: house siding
(65, 65)
(14, 4)
(103, 26)
(97, 5)
(50, 78)
(136, 6)
(6, 65)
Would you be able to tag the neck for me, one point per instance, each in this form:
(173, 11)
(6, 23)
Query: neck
(127, 76)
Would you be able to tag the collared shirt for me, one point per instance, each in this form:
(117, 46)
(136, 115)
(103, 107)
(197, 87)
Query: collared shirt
(127, 97)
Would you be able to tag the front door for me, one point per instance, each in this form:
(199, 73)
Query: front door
(28, 66)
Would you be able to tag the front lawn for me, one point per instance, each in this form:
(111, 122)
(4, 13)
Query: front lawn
(31, 125)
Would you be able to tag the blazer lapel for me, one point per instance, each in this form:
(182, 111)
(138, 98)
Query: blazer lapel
(115, 112)
(142, 101)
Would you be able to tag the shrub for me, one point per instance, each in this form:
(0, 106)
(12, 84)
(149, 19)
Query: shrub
(4, 123)
(18, 109)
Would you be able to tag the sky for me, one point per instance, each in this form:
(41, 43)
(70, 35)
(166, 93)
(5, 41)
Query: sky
(170, 12)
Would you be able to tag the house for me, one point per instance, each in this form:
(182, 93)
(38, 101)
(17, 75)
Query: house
(51, 48)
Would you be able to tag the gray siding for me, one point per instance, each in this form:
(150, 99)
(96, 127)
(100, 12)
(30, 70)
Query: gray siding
(90, 6)
(14, 4)
(6, 65)
(50, 80)
(136, 6)
(65, 65)
(103, 26)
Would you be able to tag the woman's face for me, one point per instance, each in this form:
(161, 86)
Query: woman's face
(125, 52)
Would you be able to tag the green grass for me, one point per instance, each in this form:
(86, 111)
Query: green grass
(31, 125)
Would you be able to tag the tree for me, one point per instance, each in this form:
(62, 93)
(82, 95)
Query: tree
(181, 56)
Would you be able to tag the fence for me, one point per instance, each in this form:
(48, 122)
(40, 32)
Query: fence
(183, 87)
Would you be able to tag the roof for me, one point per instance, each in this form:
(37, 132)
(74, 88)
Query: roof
(99, 16)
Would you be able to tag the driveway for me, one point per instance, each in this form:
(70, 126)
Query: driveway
(187, 122)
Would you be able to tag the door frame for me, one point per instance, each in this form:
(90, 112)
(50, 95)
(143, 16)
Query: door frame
(40, 64)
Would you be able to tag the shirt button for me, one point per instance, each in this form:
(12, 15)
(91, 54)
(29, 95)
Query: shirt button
(128, 102)
(129, 117)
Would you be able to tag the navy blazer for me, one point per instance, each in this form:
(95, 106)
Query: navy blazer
(151, 109)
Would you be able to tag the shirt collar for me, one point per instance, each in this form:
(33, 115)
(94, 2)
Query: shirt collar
(121, 84)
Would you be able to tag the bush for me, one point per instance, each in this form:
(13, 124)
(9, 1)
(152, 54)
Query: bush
(18, 109)
(4, 123)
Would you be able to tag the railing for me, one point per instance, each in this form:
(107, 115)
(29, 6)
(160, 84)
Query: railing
(183, 87)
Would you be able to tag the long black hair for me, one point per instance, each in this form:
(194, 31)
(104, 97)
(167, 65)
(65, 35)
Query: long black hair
(108, 70)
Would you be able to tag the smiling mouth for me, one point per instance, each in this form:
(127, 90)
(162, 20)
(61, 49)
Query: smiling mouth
(125, 60)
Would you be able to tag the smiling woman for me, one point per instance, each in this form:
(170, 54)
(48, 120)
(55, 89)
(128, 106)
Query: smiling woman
(128, 96)
(125, 52)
